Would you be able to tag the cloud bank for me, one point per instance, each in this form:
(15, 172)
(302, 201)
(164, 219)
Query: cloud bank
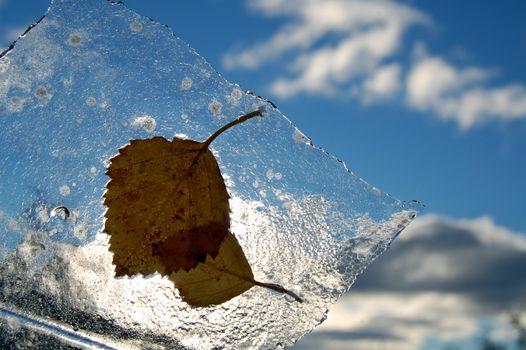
(353, 48)
(446, 282)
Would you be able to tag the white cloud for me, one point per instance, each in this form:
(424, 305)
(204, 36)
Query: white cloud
(382, 84)
(442, 279)
(458, 94)
(352, 47)
(367, 32)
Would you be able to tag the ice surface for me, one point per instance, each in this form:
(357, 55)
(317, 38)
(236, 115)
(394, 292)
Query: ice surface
(88, 78)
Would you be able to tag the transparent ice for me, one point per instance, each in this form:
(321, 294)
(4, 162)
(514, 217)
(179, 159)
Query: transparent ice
(83, 82)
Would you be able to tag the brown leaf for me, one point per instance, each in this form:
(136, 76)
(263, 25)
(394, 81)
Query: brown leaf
(160, 216)
(168, 212)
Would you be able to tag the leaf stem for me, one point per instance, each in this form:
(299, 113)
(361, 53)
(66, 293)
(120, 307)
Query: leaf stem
(208, 141)
(238, 120)
(278, 288)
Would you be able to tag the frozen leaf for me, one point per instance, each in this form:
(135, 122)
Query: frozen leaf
(168, 212)
(164, 212)
(93, 75)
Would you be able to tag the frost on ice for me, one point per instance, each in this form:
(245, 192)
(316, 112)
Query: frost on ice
(87, 79)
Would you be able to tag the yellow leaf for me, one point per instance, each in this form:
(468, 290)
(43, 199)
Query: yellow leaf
(216, 280)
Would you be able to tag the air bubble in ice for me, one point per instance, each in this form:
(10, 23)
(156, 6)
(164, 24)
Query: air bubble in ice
(184, 116)
(136, 27)
(60, 212)
(75, 39)
(15, 104)
(186, 83)
(64, 190)
(235, 96)
(145, 122)
(42, 93)
(298, 136)
(80, 230)
(215, 107)
(93, 170)
(67, 82)
(105, 105)
(270, 174)
(278, 176)
(91, 101)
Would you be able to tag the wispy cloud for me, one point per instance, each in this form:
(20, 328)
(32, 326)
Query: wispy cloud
(383, 83)
(460, 93)
(352, 48)
(443, 281)
(368, 32)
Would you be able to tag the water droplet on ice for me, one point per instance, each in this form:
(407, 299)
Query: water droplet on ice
(64, 190)
(186, 83)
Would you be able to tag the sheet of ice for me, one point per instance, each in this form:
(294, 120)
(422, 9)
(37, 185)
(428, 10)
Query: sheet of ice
(88, 78)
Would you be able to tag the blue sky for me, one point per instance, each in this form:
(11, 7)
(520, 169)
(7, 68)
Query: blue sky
(423, 99)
